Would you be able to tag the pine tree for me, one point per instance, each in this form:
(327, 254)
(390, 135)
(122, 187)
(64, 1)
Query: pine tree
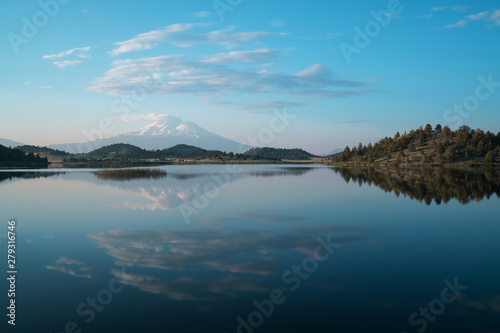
(489, 158)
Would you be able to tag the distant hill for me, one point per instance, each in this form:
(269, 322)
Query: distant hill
(16, 157)
(128, 151)
(123, 151)
(119, 150)
(429, 146)
(280, 153)
(10, 143)
(186, 151)
(42, 150)
(335, 151)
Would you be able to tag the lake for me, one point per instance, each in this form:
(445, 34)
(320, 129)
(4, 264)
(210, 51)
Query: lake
(254, 248)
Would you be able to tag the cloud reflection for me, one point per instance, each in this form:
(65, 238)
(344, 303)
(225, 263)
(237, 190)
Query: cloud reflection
(234, 260)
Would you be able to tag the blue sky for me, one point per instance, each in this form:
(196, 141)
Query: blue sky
(350, 71)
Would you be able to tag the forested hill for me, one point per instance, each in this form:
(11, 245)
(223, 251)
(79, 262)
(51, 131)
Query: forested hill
(428, 145)
(16, 157)
(280, 153)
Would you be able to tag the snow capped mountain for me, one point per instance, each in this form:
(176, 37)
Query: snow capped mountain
(166, 131)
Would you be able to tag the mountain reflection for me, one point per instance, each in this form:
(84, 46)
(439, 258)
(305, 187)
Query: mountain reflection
(199, 263)
(428, 184)
(26, 175)
(175, 189)
(282, 172)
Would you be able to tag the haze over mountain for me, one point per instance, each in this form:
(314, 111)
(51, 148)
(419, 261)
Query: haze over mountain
(10, 143)
(166, 131)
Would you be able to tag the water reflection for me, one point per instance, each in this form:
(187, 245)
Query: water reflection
(130, 174)
(26, 175)
(428, 184)
(210, 260)
(282, 172)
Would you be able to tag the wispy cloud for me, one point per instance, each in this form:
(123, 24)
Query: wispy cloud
(78, 51)
(65, 63)
(437, 9)
(459, 8)
(202, 14)
(134, 117)
(258, 106)
(261, 55)
(176, 35)
(323, 37)
(492, 16)
(174, 74)
(66, 266)
(459, 24)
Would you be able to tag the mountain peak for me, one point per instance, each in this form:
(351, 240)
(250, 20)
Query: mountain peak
(165, 131)
(163, 126)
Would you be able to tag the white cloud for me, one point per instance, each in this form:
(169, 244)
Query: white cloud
(80, 50)
(134, 117)
(437, 9)
(491, 15)
(175, 34)
(324, 37)
(478, 16)
(151, 39)
(262, 55)
(62, 64)
(276, 23)
(174, 74)
(459, 24)
(202, 14)
(459, 8)
(27, 83)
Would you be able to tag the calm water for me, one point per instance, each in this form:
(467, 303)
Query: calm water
(141, 255)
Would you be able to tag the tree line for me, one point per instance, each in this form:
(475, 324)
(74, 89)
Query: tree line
(428, 145)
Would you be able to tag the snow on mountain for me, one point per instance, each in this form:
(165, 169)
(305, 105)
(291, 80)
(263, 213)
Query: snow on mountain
(165, 132)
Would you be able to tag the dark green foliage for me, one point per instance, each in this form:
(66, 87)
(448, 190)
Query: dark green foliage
(280, 154)
(129, 174)
(40, 150)
(489, 158)
(428, 184)
(434, 146)
(16, 157)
